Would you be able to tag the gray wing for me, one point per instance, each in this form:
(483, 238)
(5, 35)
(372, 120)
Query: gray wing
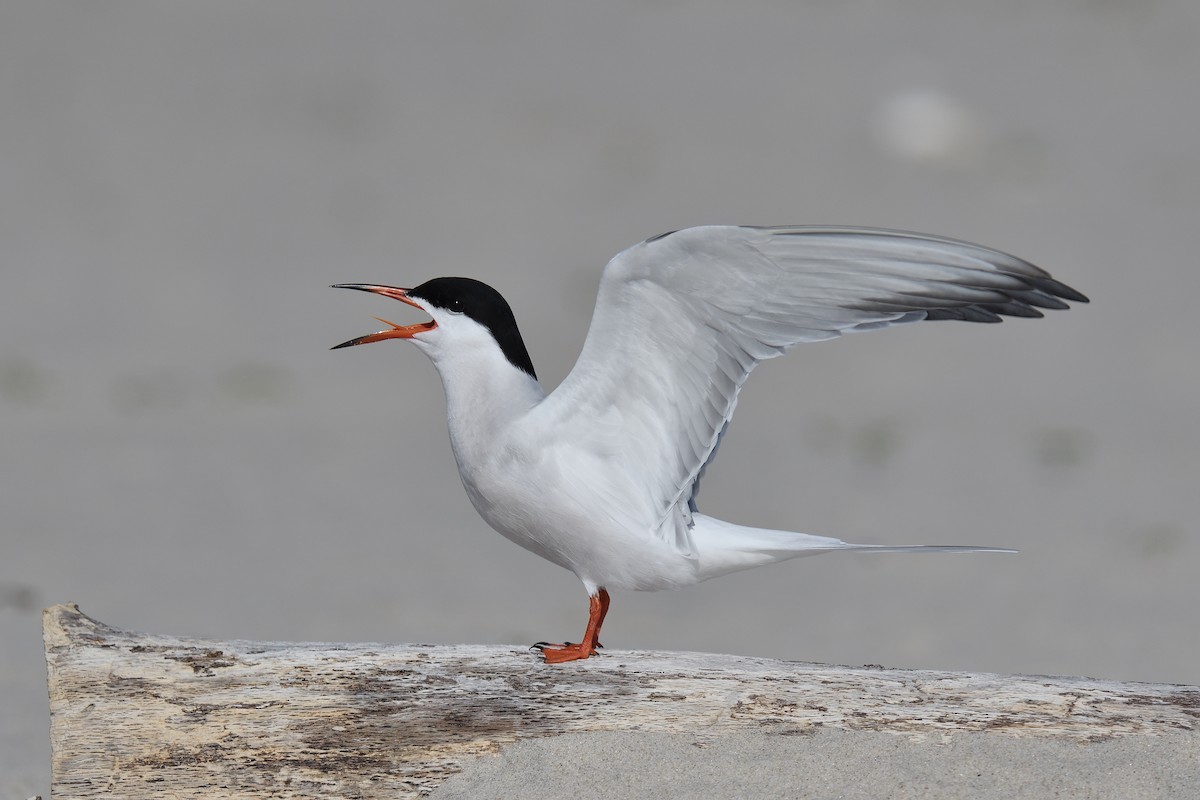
(682, 319)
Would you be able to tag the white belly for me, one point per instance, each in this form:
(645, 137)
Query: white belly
(577, 524)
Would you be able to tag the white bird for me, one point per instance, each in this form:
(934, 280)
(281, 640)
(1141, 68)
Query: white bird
(600, 476)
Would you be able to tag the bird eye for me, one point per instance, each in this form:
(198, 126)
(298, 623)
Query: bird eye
(455, 306)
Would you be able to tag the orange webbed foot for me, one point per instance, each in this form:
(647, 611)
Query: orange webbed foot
(568, 651)
(560, 653)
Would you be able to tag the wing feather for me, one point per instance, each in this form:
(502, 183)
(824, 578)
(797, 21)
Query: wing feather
(681, 319)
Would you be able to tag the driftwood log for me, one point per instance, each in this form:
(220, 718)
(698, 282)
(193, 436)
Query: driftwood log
(137, 715)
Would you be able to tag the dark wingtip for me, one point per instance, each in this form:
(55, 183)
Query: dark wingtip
(1060, 289)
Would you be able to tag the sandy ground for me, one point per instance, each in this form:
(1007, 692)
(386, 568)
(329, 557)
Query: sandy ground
(859, 765)
(180, 452)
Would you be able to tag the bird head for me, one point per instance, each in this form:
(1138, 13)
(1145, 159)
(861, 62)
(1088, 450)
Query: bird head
(464, 311)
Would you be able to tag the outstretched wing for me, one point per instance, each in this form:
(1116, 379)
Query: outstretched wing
(682, 319)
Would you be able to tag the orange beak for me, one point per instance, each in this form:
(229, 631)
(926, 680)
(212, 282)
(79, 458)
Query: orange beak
(396, 331)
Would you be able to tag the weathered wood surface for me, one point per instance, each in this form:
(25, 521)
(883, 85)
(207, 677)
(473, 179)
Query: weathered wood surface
(137, 715)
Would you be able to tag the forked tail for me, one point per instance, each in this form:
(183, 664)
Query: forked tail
(724, 547)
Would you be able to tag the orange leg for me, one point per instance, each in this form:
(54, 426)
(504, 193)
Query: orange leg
(558, 653)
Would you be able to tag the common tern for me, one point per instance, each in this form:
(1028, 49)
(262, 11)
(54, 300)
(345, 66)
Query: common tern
(600, 476)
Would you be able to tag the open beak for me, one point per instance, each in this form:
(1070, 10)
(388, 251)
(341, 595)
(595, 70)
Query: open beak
(396, 331)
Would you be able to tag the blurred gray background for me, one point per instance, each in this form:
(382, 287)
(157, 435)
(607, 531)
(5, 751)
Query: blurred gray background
(179, 183)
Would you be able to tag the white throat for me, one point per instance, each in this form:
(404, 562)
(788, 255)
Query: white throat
(485, 393)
